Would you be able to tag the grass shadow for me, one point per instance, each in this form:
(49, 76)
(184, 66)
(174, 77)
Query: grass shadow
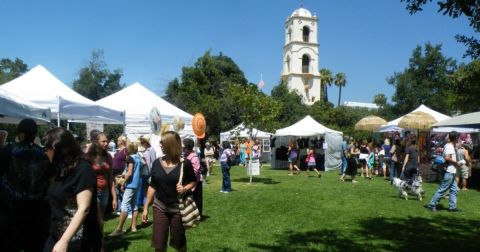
(310, 241)
(443, 233)
(267, 181)
(384, 234)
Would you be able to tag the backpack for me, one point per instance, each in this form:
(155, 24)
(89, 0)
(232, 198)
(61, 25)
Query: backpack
(27, 173)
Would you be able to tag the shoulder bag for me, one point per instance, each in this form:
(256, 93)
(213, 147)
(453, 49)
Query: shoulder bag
(188, 208)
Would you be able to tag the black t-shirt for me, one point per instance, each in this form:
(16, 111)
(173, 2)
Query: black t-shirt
(412, 156)
(165, 185)
(63, 202)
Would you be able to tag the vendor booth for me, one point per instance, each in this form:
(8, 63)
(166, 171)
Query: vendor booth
(41, 87)
(138, 103)
(241, 131)
(308, 132)
(13, 109)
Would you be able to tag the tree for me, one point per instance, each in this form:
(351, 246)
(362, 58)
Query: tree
(340, 81)
(292, 108)
(257, 109)
(466, 91)
(205, 88)
(326, 78)
(10, 69)
(95, 81)
(380, 100)
(455, 9)
(425, 81)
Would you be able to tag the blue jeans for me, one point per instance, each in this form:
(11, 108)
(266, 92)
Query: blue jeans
(119, 199)
(344, 164)
(393, 170)
(226, 184)
(448, 182)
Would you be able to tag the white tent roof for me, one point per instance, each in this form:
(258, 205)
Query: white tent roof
(41, 87)
(137, 102)
(438, 116)
(305, 127)
(471, 120)
(13, 109)
(241, 131)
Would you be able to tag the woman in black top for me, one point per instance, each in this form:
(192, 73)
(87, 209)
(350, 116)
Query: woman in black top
(72, 196)
(164, 191)
(411, 161)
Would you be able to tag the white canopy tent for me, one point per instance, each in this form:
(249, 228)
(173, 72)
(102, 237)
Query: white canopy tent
(242, 131)
(41, 87)
(438, 116)
(470, 120)
(308, 127)
(305, 127)
(13, 109)
(137, 102)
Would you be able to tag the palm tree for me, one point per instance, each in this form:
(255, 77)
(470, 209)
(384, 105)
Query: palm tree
(340, 81)
(326, 78)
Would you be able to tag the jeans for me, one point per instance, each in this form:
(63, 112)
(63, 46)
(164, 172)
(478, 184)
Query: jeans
(344, 165)
(393, 170)
(448, 182)
(226, 184)
(119, 199)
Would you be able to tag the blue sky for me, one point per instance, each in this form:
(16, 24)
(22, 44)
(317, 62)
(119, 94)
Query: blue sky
(151, 40)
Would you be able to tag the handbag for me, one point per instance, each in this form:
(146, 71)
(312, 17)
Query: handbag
(188, 208)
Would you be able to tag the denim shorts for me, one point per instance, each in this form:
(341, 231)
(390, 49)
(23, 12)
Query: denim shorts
(102, 199)
(129, 200)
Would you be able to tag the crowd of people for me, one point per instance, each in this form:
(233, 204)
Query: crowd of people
(70, 186)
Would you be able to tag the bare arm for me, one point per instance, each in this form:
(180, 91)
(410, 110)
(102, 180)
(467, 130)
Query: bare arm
(112, 189)
(405, 162)
(83, 202)
(188, 187)
(148, 202)
(129, 172)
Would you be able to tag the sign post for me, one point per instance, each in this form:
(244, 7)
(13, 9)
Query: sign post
(253, 168)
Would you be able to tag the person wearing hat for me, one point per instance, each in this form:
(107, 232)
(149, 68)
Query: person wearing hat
(209, 157)
(23, 182)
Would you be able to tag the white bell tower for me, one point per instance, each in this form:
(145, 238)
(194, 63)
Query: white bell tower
(300, 55)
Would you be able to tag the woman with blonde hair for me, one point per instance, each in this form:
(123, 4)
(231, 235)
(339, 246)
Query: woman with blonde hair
(118, 167)
(130, 188)
(163, 192)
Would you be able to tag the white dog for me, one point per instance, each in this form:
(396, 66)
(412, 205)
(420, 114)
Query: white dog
(404, 188)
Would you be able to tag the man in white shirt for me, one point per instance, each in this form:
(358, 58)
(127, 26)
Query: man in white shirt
(448, 180)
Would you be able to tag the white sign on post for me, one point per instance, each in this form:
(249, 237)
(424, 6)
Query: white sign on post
(253, 168)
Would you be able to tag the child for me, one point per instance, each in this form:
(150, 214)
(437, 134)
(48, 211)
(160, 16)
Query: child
(311, 163)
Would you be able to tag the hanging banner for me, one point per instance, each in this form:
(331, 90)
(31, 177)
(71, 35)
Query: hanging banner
(253, 167)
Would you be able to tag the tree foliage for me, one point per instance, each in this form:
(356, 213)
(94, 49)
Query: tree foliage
(340, 81)
(424, 81)
(257, 109)
(205, 87)
(455, 9)
(11, 69)
(326, 78)
(466, 89)
(95, 80)
(292, 108)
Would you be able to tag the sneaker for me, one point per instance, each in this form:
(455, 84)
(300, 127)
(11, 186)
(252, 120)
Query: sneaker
(222, 191)
(354, 181)
(116, 233)
(431, 208)
(226, 191)
(454, 210)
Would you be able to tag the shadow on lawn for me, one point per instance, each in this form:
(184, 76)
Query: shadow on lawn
(267, 181)
(385, 234)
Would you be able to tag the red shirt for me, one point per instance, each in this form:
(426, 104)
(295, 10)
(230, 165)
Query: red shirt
(101, 171)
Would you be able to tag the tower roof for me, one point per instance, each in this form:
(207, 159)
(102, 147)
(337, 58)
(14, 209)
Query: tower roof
(301, 12)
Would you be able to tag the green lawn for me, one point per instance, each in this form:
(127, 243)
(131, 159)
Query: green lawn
(297, 213)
